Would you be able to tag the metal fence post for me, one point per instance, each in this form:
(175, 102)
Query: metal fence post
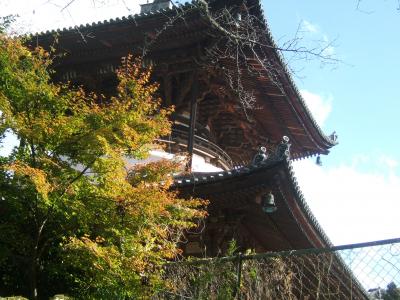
(239, 276)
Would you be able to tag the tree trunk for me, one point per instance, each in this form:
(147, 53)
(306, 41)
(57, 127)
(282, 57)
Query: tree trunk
(33, 276)
(35, 263)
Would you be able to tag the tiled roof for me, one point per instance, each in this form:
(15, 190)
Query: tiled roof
(282, 158)
(293, 96)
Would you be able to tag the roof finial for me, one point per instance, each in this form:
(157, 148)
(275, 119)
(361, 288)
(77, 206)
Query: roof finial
(333, 136)
(156, 5)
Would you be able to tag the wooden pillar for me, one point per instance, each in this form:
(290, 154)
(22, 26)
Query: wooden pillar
(192, 121)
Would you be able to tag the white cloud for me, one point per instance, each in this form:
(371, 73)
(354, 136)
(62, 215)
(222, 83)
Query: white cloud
(309, 27)
(319, 106)
(389, 162)
(327, 45)
(352, 206)
(317, 39)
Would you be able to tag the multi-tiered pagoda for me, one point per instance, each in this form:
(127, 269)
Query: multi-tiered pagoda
(254, 197)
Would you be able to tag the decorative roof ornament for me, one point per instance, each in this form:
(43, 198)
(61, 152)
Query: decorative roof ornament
(277, 153)
(260, 156)
(156, 5)
(333, 136)
(282, 149)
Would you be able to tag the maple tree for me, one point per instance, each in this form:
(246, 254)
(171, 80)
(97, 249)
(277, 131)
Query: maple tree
(74, 218)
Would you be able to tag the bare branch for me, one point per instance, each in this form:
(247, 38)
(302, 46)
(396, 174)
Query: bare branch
(67, 5)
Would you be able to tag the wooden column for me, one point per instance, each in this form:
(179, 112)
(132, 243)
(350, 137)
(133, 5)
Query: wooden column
(192, 124)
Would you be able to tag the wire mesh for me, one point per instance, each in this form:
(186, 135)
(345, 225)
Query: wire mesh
(358, 271)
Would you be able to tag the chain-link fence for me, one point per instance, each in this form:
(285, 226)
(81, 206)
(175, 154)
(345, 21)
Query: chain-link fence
(358, 271)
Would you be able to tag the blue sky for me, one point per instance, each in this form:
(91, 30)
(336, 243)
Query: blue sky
(355, 194)
(365, 87)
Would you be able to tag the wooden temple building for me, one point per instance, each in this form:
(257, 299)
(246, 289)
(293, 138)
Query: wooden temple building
(208, 116)
(254, 197)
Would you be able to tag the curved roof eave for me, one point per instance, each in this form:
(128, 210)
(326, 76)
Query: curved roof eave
(300, 199)
(321, 141)
(325, 140)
